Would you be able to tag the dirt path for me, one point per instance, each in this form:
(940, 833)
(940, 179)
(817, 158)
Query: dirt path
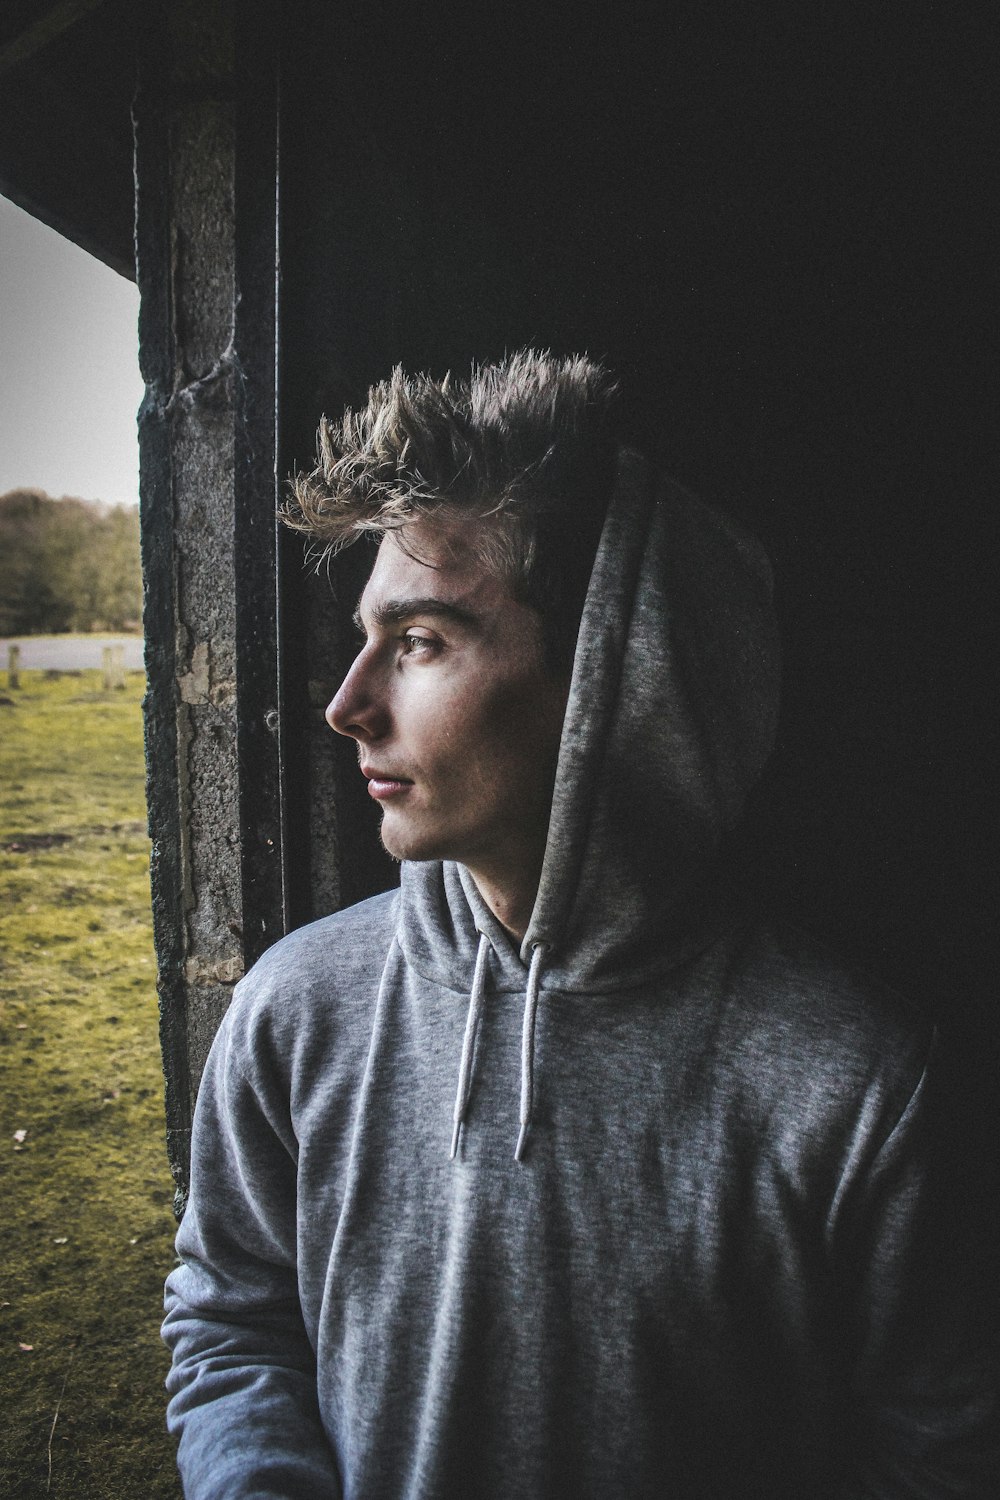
(70, 653)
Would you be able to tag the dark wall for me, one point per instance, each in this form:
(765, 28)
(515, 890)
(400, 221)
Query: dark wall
(773, 232)
(67, 78)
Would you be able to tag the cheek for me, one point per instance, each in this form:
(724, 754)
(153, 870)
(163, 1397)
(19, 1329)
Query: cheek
(519, 729)
(439, 724)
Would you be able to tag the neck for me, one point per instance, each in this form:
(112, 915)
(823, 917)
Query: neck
(510, 893)
(507, 878)
(512, 908)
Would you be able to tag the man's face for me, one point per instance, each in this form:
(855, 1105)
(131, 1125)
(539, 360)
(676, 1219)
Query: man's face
(456, 717)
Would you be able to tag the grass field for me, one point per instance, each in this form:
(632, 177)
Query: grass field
(86, 1230)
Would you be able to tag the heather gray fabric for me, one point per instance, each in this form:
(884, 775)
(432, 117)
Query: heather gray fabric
(670, 720)
(718, 1269)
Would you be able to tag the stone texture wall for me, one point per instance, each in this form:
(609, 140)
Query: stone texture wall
(206, 469)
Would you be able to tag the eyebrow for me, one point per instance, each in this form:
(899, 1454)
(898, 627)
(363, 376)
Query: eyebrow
(395, 611)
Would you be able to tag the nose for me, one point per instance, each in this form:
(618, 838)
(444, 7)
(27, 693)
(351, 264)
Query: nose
(357, 708)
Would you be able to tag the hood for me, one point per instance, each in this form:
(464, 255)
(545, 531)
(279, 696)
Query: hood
(670, 719)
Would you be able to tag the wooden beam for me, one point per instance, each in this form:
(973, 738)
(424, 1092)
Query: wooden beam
(55, 20)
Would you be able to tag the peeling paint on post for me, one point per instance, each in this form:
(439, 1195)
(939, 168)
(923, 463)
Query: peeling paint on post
(207, 481)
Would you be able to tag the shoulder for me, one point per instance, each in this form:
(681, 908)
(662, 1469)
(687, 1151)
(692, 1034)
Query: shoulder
(810, 1032)
(341, 946)
(321, 976)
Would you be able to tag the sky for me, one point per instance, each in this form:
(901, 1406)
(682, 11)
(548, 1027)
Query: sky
(69, 373)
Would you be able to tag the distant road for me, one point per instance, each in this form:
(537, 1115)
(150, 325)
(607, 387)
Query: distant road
(70, 653)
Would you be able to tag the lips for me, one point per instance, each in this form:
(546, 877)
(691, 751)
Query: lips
(384, 784)
(373, 773)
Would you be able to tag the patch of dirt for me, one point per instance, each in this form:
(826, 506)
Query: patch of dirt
(26, 843)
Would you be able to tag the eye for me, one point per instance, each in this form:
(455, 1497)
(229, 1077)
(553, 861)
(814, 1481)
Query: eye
(418, 645)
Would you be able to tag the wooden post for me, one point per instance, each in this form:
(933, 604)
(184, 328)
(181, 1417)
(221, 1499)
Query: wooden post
(106, 682)
(14, 666)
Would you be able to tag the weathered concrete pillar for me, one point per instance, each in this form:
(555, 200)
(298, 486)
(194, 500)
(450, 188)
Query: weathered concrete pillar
(205, 241)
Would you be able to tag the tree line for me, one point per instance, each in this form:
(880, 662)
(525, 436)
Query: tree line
(67, 565)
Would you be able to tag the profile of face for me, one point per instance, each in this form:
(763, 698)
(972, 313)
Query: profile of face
(456, 716)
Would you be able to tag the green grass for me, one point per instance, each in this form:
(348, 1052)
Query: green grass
(86, 1230)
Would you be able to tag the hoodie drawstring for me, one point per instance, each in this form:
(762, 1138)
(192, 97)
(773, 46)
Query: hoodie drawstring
(527, 1044)
(471, 1027)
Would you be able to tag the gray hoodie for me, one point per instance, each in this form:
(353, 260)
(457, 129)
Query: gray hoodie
(648, 1208)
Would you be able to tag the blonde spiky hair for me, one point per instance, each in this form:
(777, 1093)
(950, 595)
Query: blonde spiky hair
(526, 440)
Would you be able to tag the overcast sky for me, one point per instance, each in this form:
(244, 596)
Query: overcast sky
(69, 374)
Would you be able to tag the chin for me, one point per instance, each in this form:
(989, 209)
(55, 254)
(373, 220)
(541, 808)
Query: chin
(401, 843)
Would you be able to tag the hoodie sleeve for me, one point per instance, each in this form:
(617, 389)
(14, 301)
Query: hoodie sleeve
(242, 1385)
(913, 1264)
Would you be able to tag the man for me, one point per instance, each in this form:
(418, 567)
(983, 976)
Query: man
(552, 1174)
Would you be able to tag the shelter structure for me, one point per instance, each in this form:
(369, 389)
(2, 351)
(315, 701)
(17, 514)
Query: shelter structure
(768, 226)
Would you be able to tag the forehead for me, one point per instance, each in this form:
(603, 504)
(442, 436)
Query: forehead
(435, 559)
